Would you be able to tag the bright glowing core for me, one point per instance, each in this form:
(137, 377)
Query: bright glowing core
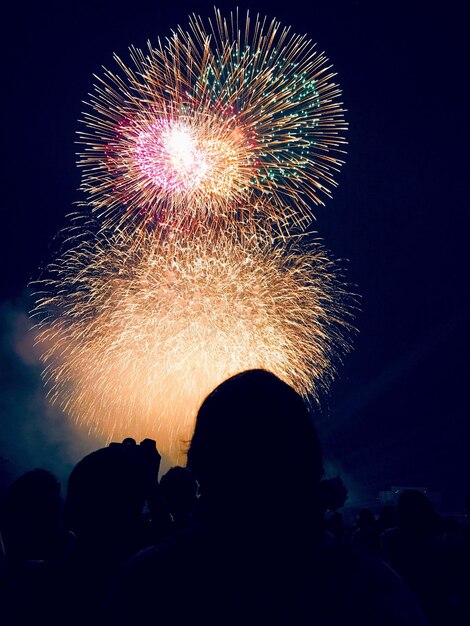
(168, 153)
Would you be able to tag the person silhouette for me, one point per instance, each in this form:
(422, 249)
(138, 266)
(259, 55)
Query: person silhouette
(31, 520)
(179, 489)
(255, 552)
(32, 530)
(106, 495)
(416, 550)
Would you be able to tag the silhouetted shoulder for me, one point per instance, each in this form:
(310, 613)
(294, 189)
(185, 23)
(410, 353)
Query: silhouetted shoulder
(157, 585)
(205, 578)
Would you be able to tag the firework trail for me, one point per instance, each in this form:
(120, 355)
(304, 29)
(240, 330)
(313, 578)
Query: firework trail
(133, 339)
(229, 114)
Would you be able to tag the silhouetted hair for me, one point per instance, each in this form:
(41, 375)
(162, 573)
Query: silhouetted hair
(255, 432)
(178, 485)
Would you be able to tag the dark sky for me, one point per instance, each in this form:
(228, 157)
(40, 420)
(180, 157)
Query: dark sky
(398, 414)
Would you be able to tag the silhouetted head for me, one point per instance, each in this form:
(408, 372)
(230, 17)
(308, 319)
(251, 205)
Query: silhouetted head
(365, 519)
(255, 442)
(415, 512)
(106, 492)
(32, 514)
(387, 517)
(336, 524)
(35, 493)
(179, 488)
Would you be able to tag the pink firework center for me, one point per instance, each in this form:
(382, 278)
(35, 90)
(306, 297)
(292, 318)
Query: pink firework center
(168, 154)
(176, 164)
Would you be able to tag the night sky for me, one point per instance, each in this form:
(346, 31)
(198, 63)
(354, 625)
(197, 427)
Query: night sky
(398, 413)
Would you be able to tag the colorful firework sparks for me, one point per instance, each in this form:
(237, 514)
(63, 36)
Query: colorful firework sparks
(169, 155)
(235, 112)
(134, 338)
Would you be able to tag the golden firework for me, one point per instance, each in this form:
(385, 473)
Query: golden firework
(134, 338)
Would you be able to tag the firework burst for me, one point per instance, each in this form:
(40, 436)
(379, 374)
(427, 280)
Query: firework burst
(221, 115)
(134, 338)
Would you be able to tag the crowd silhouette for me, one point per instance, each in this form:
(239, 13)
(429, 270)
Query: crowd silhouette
(248, 533)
